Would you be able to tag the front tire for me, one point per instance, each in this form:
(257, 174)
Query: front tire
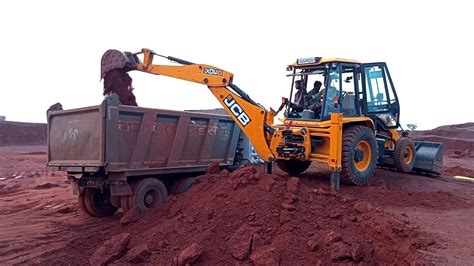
(404, 155)
(359, 155)
(293, 167)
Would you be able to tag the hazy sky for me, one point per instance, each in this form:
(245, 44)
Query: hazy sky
(51, 50)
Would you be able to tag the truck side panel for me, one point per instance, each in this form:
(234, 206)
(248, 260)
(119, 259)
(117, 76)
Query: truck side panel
(143, 139)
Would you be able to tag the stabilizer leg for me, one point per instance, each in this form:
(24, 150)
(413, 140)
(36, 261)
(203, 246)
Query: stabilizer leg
(268, 167)
(335, 179)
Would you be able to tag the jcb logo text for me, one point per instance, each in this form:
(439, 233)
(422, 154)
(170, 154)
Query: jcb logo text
(236, 110)
(212, 71)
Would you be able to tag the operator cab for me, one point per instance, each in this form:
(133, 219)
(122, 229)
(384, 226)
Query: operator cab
(348, 87)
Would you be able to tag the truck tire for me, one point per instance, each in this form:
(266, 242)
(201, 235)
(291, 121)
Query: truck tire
(124, 203)
(404, 155)
(97, 203)
(80, 202)
(182, 185)
(359, 155)
(293, 167)
(148, 193)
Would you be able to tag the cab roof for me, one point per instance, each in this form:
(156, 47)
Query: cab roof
(317, 61)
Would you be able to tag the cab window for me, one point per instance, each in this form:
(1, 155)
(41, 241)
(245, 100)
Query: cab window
(332, 92)
(349, 99)
(376, 90)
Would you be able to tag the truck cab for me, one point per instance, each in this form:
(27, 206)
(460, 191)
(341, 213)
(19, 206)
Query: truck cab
(348, 87)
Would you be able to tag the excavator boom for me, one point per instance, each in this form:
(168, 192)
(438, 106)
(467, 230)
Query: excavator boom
(252, 118)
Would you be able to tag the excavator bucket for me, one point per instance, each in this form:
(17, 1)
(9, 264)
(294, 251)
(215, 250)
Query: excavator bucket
(113, 59)
(429, 157)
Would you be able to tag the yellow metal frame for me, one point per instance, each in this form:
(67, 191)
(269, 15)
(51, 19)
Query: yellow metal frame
(330, 131)
(325, 61)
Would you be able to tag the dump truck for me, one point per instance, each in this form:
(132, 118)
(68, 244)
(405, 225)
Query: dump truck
(356, 128)
(120, 156)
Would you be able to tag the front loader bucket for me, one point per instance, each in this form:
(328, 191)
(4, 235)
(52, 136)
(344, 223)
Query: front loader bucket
(429, 157)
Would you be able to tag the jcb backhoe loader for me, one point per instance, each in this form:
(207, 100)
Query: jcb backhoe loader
(354, 130)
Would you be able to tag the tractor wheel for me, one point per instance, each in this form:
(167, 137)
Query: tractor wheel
(97, 203)
(404, 155)
(182, 185)
(293, 167)
(359, 155)
(148, 193)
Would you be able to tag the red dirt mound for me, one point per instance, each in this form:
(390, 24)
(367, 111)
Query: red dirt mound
(449, 143)
(454, 137)
(245, 216)
(18, 133)
(461, 131)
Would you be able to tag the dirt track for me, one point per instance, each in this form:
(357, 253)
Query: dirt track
(40, 222)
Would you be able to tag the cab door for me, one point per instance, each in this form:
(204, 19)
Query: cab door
(379, 96)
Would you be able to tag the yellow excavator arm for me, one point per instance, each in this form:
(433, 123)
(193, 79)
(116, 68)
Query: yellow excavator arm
(252, 118)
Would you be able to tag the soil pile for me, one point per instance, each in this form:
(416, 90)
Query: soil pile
(460, 131)
(118, 81)
(250, 217)
(18, 133)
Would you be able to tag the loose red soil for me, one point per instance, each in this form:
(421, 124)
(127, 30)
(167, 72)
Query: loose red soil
(244, 217)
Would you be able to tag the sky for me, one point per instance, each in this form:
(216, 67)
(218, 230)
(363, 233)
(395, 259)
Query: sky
(51, 50)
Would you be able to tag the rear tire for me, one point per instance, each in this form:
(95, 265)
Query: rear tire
(404, 155)
(293, 167)
(148, 193)
(359, 155)
(80, 202)
(124, 203)
(97, 203)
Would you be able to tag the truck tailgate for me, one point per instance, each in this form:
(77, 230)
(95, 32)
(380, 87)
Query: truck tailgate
(75, 137)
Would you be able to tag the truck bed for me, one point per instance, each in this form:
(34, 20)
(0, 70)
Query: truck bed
(135, 141)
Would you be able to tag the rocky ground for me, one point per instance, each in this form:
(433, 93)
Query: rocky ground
(243, 217)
